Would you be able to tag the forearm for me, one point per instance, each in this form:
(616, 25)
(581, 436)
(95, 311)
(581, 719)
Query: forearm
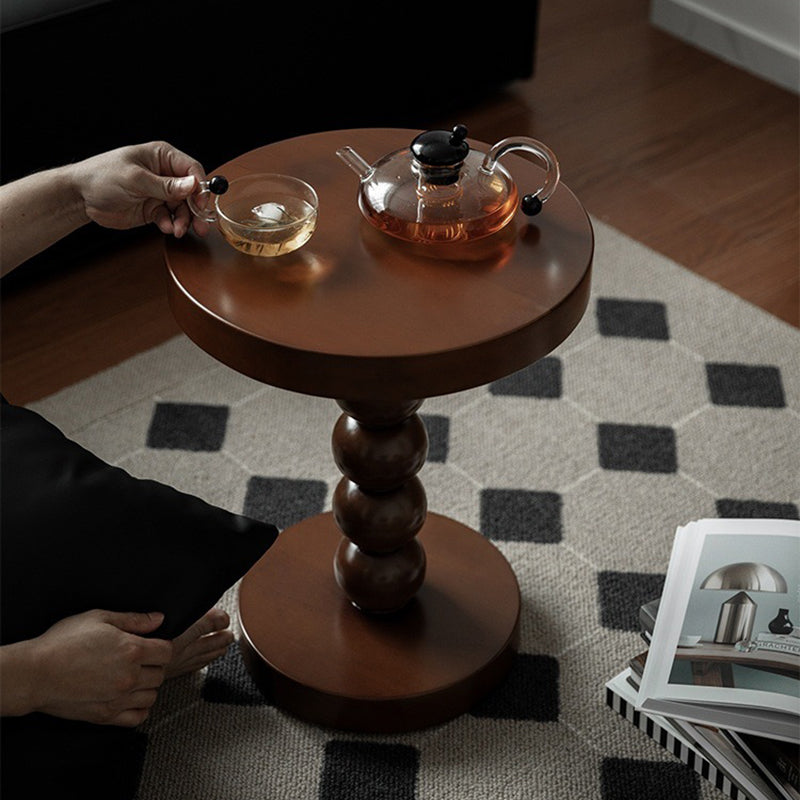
(18, 670)
(124, 188)
(37, 211)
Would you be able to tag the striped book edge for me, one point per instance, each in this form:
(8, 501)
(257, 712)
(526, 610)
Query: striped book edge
(677, 746)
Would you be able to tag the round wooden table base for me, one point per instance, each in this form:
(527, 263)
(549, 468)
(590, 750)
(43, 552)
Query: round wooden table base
(319, 658)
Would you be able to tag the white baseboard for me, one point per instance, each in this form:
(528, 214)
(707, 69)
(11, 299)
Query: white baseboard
(735, 42)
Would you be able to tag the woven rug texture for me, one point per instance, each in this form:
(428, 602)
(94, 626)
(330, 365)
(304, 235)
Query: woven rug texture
(673, 400)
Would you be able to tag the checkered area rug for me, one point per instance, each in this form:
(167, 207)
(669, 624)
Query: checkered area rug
(671, 401)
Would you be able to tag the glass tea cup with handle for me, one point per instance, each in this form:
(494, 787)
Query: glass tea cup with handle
(262, 214)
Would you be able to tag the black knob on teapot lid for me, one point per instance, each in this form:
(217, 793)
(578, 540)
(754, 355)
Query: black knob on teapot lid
(441, 148)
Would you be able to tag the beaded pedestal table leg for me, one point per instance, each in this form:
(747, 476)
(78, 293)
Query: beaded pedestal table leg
(379, 616)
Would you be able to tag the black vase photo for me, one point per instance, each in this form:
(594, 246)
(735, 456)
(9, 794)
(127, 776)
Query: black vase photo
(781, 623)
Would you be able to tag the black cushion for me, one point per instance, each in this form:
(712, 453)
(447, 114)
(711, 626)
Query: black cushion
(77, 534)
(65, 759)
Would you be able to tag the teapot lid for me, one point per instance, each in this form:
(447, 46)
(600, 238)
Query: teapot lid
(441, 148)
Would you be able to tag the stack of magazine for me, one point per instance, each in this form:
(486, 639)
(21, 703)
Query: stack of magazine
(718, 680)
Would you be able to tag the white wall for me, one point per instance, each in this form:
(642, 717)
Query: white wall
(761, 36)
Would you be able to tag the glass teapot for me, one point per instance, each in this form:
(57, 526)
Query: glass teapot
(440, 190)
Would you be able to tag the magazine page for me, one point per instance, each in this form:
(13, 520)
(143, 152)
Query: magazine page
(731, 775)
(718, 749)
(723, 650)
(776, 761)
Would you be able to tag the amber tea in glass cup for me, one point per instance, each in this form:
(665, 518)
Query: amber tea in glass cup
(261, 214)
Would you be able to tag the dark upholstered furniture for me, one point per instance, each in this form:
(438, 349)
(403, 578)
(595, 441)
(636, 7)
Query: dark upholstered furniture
(220, 77)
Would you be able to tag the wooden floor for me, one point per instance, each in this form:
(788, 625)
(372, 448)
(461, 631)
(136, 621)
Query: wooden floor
(694, 158)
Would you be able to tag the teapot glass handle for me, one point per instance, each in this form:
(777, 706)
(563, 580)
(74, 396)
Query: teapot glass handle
(531, 203)
(217, 185)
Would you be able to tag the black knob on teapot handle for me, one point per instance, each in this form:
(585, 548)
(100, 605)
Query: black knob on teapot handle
(532, 203)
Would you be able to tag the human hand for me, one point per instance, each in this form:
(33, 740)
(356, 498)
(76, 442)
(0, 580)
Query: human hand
(139, 184)
(97, 667)
(201, 643)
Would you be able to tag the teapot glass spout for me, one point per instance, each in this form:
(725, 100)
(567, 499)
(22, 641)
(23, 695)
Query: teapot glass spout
(355, 162)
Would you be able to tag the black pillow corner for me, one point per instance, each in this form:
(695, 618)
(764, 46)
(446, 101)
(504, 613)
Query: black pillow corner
(77, 533)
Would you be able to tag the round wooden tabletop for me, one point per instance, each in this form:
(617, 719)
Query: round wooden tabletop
(356, 314)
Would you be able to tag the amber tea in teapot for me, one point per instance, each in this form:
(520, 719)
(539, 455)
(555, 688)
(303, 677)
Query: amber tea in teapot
(441, 190)
(438, 225)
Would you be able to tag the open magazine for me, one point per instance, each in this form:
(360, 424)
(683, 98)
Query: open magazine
(723, 650)
(705, 750)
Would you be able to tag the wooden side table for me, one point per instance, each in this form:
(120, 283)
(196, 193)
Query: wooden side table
(410, 618)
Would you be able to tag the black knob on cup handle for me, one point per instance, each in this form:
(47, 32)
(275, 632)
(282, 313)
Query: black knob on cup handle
(217, 185)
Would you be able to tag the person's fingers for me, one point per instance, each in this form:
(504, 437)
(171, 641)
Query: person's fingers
(155, 652)
(216, 642)
(143, 698)
(161, 217)
(200, 654)
(214, 620)
(161, 187)
(179, 188)
(175, 221)
(181, 220)
(200, 227)
(162, 158)
(169, 188)
(129, 718)
(151, 652)
(201, 643)
(128, 710)
(133, 621)
(176, 162)
(151, 677)
(183, 174)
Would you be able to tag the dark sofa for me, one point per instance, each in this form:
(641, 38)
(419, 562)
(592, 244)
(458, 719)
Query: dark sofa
(220, 77)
